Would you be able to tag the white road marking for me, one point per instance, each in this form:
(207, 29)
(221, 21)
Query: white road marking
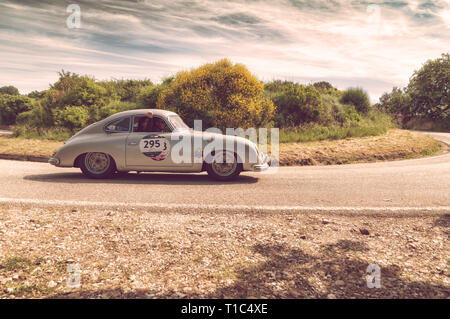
(73, 203)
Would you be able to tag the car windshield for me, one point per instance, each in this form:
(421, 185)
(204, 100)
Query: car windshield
(177, 123)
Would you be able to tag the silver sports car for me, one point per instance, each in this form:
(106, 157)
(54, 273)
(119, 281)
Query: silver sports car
(152, 140)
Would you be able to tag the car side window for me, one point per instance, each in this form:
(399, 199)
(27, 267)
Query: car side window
(120, 125)
(153, 125)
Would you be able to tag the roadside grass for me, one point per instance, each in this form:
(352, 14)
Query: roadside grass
(16, 267)
(435, 148)
(27, 147)
(395, 144)
(15, 263)
(371, 126)
(53, 134)
(33, 290)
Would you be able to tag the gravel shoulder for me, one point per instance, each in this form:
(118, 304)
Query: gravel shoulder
(157, 253)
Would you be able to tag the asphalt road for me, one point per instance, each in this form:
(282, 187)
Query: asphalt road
(421, 184)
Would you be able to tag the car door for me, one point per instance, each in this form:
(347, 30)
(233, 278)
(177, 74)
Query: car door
(114, 142)
(152, 150)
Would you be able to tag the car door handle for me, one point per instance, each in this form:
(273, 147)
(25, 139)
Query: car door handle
(132, 143)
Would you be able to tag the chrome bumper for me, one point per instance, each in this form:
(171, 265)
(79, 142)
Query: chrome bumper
(260, 167)
(54, 161)
(264, 165)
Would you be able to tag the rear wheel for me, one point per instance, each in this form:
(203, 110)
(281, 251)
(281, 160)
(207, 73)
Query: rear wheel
(224, 166)
(97, 165)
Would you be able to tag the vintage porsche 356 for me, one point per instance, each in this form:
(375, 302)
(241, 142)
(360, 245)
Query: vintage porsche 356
(152, 140)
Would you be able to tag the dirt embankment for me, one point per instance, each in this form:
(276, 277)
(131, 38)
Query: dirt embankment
(394, 145)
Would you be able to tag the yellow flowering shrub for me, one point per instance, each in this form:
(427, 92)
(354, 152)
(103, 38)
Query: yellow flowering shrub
(221, 94)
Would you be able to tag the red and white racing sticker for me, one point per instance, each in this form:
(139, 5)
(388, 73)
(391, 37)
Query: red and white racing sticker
(155, 147)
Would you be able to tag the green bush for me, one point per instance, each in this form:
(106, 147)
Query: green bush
(74, 90)
(148, 96)
(11, 106)
(296, 104)
(374, 123)
(299, 105)
(337, 113)
(357, 97)
(347, 115)
(124, 90)
(37, 116)
(72, 117)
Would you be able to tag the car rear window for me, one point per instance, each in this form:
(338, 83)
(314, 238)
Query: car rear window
(120, 125)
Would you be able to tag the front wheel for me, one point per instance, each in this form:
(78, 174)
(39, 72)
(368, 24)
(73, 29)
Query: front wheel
(224, 166)
(97, 165)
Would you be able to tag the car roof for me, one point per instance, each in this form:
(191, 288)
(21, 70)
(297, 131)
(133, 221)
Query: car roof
(163, 113)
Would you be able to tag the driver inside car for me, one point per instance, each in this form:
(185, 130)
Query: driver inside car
(145, 123)
(158, 125)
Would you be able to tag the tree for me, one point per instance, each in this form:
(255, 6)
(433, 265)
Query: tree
(37, 94)
(429, 89)
(358, 98)
(397, 102)
(74, 90)
(116, 107)
(222, 94)
(125, 90)
(11, 90)
(277, 86)
(323, 85)
(148, 95)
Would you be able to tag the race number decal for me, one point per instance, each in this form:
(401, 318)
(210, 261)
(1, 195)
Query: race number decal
(155, 147)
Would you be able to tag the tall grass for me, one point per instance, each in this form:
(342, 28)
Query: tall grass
(53, 133)
(376, 123)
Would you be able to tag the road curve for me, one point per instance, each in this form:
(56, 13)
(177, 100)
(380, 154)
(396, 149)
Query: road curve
(414, 184)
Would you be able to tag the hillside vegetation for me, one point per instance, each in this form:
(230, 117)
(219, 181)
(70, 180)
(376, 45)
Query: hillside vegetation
(425, 102)
(222, 94)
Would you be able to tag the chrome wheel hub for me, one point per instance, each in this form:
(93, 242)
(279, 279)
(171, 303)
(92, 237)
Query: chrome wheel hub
(224, 164)
(97, 163)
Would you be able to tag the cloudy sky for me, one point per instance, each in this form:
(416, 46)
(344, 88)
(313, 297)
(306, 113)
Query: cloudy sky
(373, 44)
